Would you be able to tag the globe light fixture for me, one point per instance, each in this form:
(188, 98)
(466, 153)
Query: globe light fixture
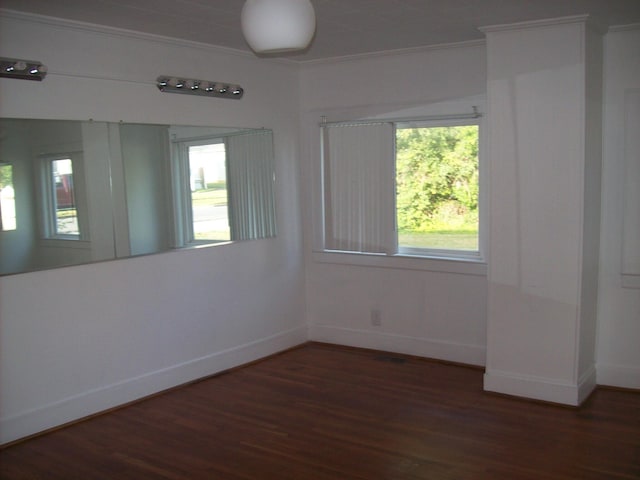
(276, 26)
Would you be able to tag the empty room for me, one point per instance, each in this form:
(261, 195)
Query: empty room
(325, 239)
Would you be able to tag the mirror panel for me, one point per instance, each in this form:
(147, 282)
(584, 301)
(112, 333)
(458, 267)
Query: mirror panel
(74, 192)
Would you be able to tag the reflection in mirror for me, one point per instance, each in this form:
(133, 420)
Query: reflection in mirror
(79, 192)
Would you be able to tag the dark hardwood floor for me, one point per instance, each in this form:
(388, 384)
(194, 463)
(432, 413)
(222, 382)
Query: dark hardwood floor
(325, 412)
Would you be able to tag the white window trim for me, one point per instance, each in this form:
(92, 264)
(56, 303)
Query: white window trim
(441, 264)
(67, 243)
(184, 235)
(439, 260)
(47, 193)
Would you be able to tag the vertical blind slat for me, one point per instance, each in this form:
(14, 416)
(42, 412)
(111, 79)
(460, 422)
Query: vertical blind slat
(358, 171)
(252, 209)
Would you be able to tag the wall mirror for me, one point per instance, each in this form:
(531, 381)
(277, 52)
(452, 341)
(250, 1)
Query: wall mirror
(74, 192)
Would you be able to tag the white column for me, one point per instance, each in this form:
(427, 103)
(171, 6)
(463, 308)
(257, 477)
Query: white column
(544, 148)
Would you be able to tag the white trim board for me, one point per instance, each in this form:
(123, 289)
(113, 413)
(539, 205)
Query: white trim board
(104, 398)
(537, 388)
(389, 342)
(93, 28)
(621, 376)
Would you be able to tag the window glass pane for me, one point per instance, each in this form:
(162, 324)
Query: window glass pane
(437, 187)
(65, 209)
(7, 199)
(209, 204)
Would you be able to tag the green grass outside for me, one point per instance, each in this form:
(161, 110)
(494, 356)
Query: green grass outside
(445, 239)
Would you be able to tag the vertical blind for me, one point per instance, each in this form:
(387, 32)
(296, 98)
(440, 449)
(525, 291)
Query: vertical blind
(250, 182)
(358, 163)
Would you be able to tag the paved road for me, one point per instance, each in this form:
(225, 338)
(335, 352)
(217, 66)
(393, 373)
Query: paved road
(207, 218)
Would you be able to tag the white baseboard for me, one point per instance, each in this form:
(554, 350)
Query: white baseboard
(441, 350)
(94, 401)
(618, 376)
(545, 389)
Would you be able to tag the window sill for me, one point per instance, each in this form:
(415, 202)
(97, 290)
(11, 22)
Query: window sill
(60, 242)
(461, 266)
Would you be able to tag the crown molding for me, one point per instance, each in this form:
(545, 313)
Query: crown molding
(93, 28)
(625, 28)
(547, 22)
(394, 53)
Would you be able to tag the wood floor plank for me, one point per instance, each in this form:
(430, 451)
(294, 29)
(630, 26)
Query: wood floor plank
(324, 412)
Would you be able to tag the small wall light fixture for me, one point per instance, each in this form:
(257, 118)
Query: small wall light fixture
(204, 88)
(22, 69)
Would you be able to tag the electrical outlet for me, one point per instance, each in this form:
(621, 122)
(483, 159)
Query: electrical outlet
(376, 318)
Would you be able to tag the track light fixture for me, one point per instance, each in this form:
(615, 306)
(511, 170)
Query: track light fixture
(22, 69)
(204, 88)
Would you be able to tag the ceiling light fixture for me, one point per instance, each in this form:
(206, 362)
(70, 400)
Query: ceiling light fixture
(276, 26)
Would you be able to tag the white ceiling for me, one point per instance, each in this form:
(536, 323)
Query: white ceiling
(344, 27)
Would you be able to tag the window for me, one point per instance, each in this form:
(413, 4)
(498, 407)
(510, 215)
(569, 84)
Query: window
(223, 188)
(403, 188)
(7, 199)
(59, 199)
(437, 188)
(208, 187)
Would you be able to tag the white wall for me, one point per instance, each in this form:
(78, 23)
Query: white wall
(425, 309)
(146, 173)
(78, 340)
(618, 350)
(430, 308)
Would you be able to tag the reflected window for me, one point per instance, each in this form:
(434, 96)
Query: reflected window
(64, 201)
(209, 197)
(223, 187)
(62, 210)
(93, 191)
(7, 199)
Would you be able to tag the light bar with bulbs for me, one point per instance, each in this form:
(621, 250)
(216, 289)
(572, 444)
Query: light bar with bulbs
(22, 69)
(204, 88)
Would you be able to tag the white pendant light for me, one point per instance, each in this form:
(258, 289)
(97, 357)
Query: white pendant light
(275, 26)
